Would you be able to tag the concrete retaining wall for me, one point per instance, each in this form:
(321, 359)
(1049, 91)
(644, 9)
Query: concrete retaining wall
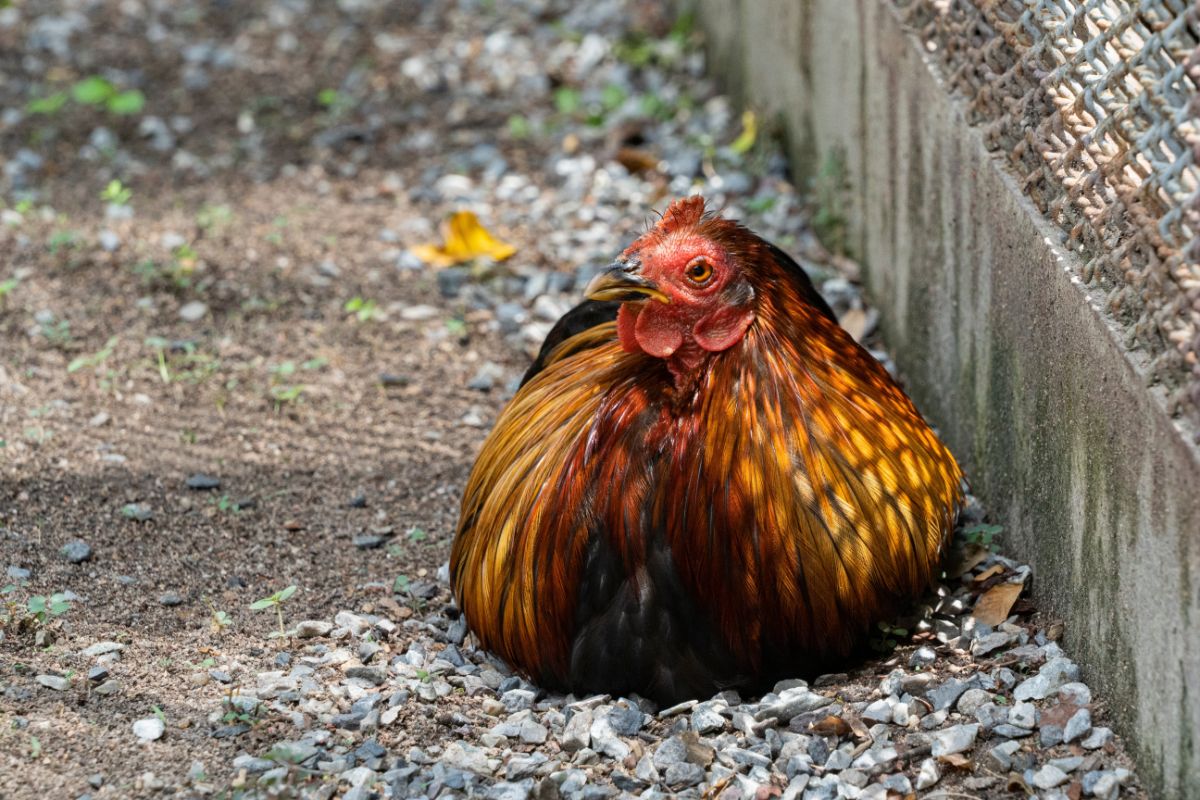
(1005, 350)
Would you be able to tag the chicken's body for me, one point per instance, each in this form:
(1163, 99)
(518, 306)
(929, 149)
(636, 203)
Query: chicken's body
(718, 492)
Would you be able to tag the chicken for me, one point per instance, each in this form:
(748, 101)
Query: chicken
(703, 481)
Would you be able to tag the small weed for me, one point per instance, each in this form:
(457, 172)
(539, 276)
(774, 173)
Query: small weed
(116, 193)
(213, 216)
(983, 534)
(57, 332)
(35, 747)
(37, 610)
(364, 310)
(6, 288)
(97, 91)
(284, 395)
(158, 712)
(275, 601)
(417, 535)
(887, 638)
(400, 585)
(519, 127)
(95, 359)
(218, 620)
(61, 240)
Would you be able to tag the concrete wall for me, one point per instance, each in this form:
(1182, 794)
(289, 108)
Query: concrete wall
(1003, 348)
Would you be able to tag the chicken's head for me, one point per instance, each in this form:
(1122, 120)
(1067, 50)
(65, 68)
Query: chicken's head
(684, 290)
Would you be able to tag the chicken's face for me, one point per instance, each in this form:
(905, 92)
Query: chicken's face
(683, 296)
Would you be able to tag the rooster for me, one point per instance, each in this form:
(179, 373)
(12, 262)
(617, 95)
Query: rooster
(703, 481)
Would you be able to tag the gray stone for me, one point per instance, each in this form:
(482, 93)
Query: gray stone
(705, 719)
(576, 734)
(1053, 674)
(1023, 715)
(682, 775)
(1048, 777)
(77, 551)
(945, 695)
(971, 700)
(792, 703)
(1009, 731)
(1078, 725)
(1097, 738)
(605, 740)
(55, 682)
(954, 740)
(879, 711)
(928, 775)
(193, 311)
(1000, 756)
(313, 629)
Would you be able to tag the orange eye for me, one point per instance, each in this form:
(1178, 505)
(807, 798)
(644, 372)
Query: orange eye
(699, 271)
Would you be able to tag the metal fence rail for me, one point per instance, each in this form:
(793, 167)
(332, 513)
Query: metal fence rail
(1096, 105)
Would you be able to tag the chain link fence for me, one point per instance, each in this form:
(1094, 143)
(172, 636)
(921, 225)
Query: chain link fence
(1095, 105)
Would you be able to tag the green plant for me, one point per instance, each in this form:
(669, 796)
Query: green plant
(6, 288)
(983, 534)
(364, 310)
(57, 332)
(116, 193)
(97, 91)
(275, 601)
(95, 359)
(218, 619)
(37, 610)
(887, 638)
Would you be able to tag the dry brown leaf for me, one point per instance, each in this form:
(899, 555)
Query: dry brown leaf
(831, 726)
(636, 159)
(855, 323)
(995, 569)
(993, 606)
(465, 239)
(956, 761)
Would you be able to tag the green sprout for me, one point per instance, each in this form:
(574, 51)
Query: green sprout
(275, 601)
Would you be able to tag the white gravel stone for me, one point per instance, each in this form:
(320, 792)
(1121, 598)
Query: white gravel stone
(149, 729)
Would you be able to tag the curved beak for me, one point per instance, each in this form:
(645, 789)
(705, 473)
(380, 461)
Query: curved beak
(622, 281)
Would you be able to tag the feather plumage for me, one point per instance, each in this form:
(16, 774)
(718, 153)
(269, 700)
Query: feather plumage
(626, 529)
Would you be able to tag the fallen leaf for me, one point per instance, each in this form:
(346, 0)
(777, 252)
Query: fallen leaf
(465, 239)
(749, 134)
(636, 159)
(831, 726)
(993, 606)
(956, 761)
(995, 569)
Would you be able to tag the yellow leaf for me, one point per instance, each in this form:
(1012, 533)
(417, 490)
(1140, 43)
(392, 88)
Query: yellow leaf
(745, 139)
(465, 239)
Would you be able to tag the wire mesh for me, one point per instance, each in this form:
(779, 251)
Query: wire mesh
(1096, 106)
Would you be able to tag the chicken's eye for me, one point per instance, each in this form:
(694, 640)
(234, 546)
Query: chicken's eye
(699, 271)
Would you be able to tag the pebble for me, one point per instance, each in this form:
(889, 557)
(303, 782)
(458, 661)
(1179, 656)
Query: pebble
(149, 729)
(77, 551)
(954, 740)
(55, 682)
(201, 482)
(193, 311)
(312, 629)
